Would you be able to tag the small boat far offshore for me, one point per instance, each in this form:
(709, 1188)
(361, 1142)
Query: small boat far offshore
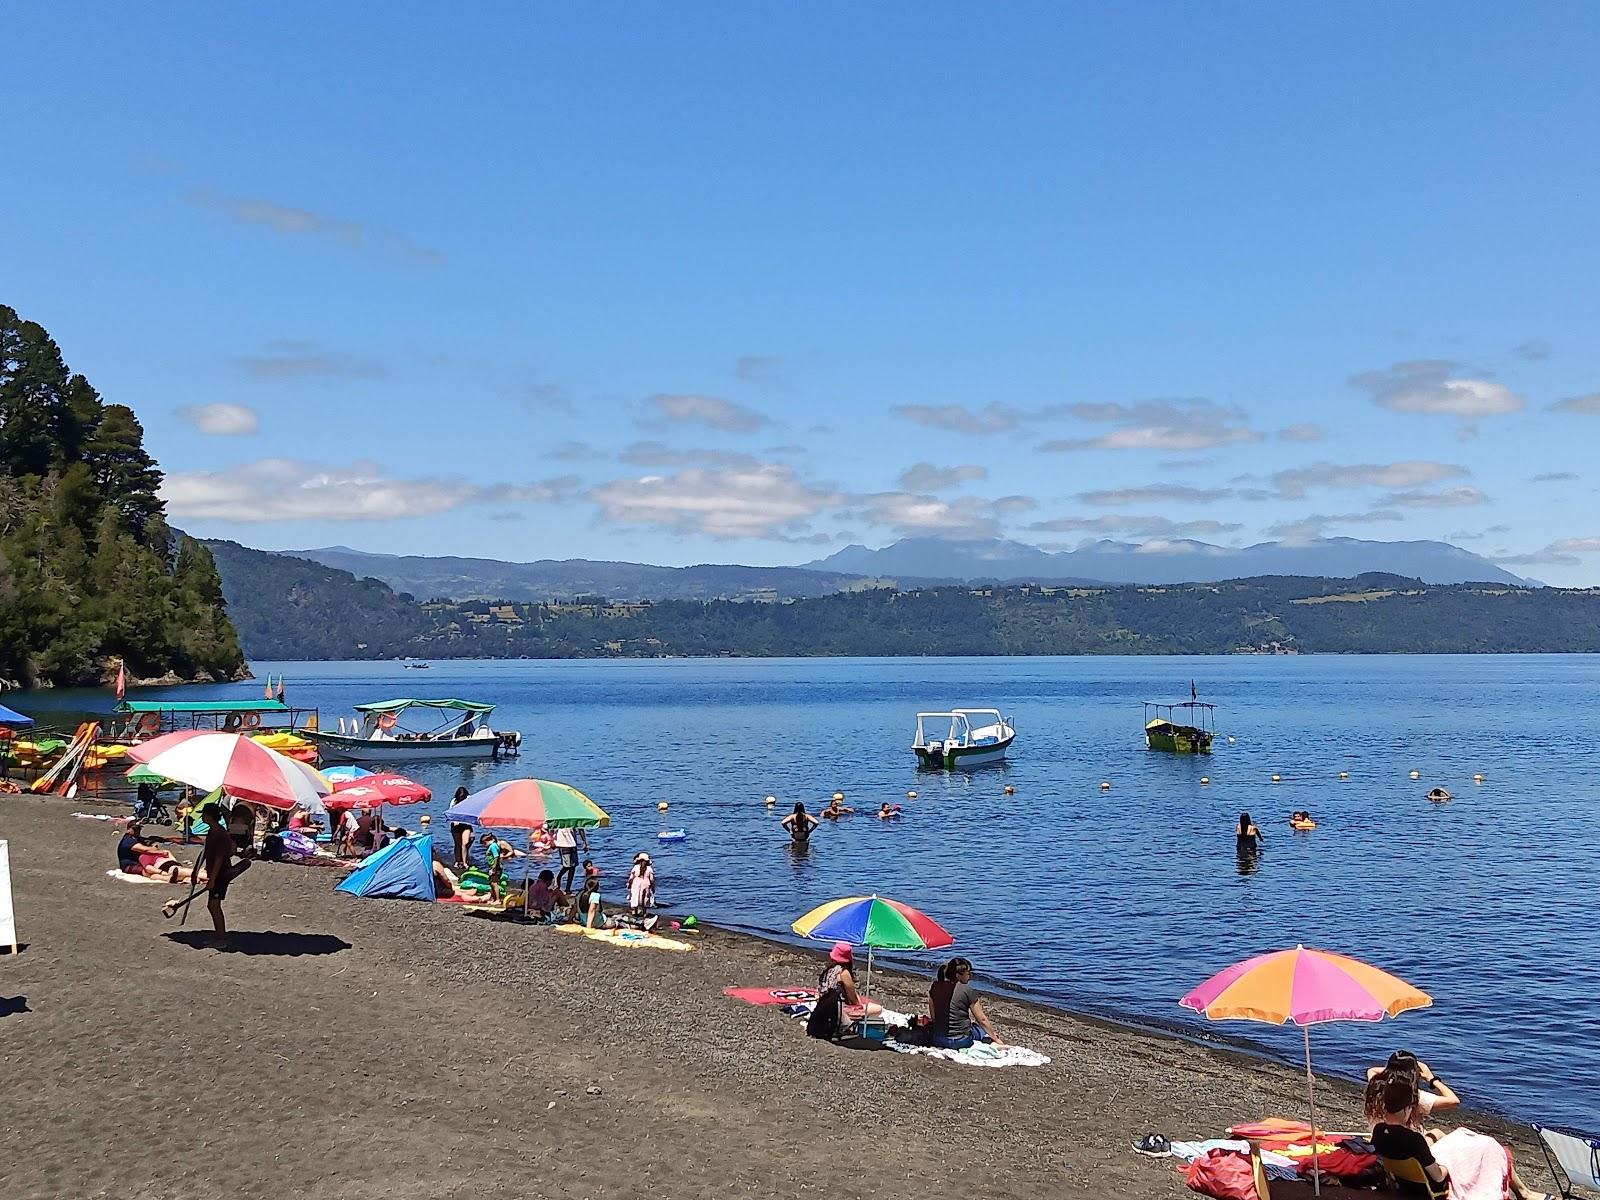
(1184, 728)
(962, 737)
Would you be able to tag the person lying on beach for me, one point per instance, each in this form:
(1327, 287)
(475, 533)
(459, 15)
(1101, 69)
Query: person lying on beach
(836, 809)
(445, 881)
(138, 855)
(887, 811)
(800, 824)
(838, 979)
(956, 1009)
(1461, 1153)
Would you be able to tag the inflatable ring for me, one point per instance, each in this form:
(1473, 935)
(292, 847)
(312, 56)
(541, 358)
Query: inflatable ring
(148, 725)
(232, 723)
(252, 720)
(387, 721)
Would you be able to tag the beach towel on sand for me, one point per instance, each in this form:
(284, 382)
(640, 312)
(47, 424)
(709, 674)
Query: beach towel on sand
(979, 1054)
(1479, 1166)
(127, 878)
(772, 996)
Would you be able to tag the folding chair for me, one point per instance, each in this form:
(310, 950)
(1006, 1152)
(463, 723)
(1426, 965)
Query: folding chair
(1414, 1181)
(1574, 1159)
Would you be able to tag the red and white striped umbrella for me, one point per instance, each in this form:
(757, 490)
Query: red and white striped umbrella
(237, 765)
(373, 791)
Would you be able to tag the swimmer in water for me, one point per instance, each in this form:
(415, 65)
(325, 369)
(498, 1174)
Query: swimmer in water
(836, 809)
(800, 825)
(887, 811)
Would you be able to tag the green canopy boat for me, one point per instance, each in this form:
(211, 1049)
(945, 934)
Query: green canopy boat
(1183, 728)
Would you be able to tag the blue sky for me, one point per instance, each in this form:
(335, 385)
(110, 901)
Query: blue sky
(748, 282)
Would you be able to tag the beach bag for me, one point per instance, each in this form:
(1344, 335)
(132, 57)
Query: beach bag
(1226, 1174)
(824, 1019)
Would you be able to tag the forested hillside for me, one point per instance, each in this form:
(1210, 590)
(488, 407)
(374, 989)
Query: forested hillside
(290, 608)
(89, 570)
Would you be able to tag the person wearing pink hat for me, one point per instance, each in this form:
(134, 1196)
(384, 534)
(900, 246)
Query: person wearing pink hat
(838, 978)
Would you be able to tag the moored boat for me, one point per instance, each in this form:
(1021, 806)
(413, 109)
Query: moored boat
(1184, 728)
(962, 737)
(407, 729)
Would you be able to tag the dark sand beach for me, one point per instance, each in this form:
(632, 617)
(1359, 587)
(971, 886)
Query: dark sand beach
(362, 1048)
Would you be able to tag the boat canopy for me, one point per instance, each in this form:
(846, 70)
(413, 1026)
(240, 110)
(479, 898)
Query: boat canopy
(203, 706)
(1182, 704)
(394, 706)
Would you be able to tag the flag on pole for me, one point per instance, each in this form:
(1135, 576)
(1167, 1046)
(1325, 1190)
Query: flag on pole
(122, 680)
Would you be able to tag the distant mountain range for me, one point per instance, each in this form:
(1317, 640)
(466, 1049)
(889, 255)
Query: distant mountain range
(911, 562)
(998, 560)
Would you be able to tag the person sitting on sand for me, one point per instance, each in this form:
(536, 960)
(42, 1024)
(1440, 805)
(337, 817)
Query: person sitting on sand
(641, 886)
(800, 824)
(887, 811)
(242, 826)
(544, 897)
(590, 871)
(1247, 837)
(588, 906)
(1403, 1062)
(956, 1010)
(1397, 1118)
(137, 855)
(837, 976)
(836, 809)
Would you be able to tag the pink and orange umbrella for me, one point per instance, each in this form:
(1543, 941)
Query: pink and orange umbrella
(1308, 987)
(240, 767)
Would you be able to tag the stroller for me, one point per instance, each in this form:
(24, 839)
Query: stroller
(149, 808)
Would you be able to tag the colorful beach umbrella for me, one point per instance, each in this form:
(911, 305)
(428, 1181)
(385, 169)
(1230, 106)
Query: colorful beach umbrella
(1308, 987)
(344, 772)
(240, 767)
(875, 922)
(529, 804)
(374, 791)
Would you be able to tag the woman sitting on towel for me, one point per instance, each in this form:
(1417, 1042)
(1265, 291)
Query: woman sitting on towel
(1466, 1161)
(135, 856)
(838, 976)
(957, 1010)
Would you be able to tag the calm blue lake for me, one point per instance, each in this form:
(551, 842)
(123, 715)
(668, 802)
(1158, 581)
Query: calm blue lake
(1114, 902)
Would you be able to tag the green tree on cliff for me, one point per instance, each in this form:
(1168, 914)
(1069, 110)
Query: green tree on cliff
(89, 571)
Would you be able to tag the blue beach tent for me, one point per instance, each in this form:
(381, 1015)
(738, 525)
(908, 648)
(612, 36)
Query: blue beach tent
(10, 716)
(402, 870)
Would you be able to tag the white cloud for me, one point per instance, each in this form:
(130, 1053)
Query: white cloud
(1554, 477)
(1456, 497)
(912, 513)
(288, 221)
(1588, 403)
(1435, 386)
(1189, 424)
(763, 501)
(758, 368)
(574, 452)
(1562, 553)
(1316, 525)
(295, 359)
(1173, 493)
(1128, 524)
(925, 477)
(283, 489)
(958, 418)
(1533, 350)
(222, 420)
(658, 454)
(704, 410)
(1306, 431)
(1297, 481)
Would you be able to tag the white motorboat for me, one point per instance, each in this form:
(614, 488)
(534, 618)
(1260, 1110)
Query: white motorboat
(397, 731)
(963, 737)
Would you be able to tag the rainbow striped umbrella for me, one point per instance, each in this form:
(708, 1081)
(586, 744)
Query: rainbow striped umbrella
(1307, 987)
(875, 922)
(529, 804)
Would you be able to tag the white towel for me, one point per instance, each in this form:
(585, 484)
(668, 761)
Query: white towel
(979, 1054)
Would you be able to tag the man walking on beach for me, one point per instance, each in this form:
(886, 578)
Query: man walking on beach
(219, 859)
(567, 843)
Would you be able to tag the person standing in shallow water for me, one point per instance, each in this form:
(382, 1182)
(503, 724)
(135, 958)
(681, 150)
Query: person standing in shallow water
(1247, 837)
(799, 824)
(461, 835)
